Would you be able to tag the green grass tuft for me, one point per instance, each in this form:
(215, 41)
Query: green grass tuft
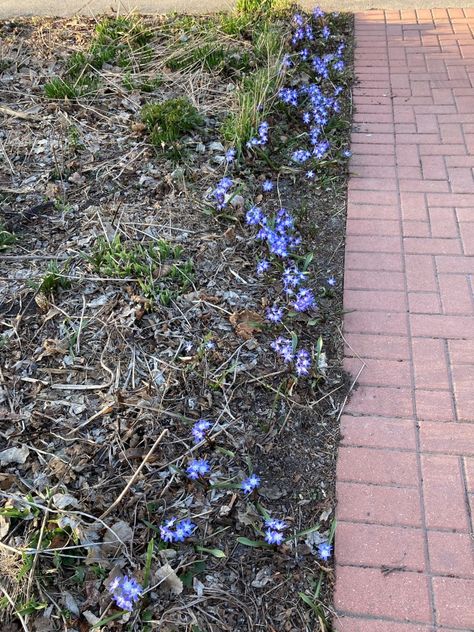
(121, 30)
(150, 265)
(169, 120)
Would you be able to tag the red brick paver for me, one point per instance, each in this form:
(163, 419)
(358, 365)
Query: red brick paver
(404, 541)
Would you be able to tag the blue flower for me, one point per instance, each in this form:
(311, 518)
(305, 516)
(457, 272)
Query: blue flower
(166, 534)
(284, 221)
(301, 155)
(292, 277)
(321, 149)
(273, 537)
(199, 430)
(219, 193)
(310, 175)
(274, 523)
(324, 550)
(277, 244)
(304, 300)
(230, 154)
(302, 362)
(187, 527)
(289, 96)
(267, 185)
(274, 531)
(318, 12)
(284, 348)
(225, 183)
(325, 32)
(254, 216)
(298, 19)
(274, 314)
(304, 54)
(197, 468)
(331, 281)
(314, 134)
(250, 483)
(262, 267)
(183, 530)
(125, 591)
(347, 153)
(263, 129)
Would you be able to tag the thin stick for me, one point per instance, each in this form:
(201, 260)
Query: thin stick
(135, 476)
(31, 257)
(36, 556)
(21, 115)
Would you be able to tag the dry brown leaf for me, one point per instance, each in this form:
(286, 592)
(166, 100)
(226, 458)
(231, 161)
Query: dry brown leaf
(53, 346)
(7, 481)
(245, 323)
(169, 579)
(42, 301)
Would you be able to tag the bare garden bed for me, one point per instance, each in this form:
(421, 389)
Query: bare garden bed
(146, 163)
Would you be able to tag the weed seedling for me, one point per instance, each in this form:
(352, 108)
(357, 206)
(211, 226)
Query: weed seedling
(53, 280)
(6, 238)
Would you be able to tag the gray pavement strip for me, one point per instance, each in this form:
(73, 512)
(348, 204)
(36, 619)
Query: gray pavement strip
(68, 8)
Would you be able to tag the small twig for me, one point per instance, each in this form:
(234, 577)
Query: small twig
(36, 556)
(21, 115)
(135, 476)
(108, 408)
(32, 257)
(79, 329)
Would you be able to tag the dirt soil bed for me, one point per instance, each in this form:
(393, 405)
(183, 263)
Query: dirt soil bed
(130, 308)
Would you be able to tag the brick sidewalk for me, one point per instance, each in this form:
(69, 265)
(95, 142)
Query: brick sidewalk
(404, 543)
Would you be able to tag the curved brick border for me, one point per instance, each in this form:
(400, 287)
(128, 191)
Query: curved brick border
(405, 559)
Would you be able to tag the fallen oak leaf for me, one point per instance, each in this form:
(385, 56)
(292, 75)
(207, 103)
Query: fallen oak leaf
(245, 323)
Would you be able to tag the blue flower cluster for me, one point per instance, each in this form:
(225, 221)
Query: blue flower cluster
(319, 98)
(200, 429)
(250, 484)
(171, 532)
(301, 358)
(279, 233)
(274, 531)
(316, 100)
(220, 193)
(198, 468)
(261, 138)
(126, 591)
